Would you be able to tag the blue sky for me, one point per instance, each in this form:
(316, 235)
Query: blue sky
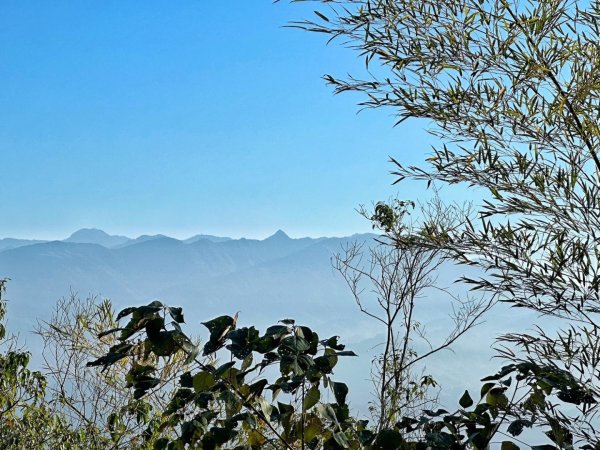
(181, 118)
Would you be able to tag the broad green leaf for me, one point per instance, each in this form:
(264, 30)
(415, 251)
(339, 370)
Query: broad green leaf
(340, 390)
(218, 324)
(176, 314)
(486, 387)
(497, 399)
(256, 438)
(466, 400)
(247, 362)
(203, 381)
(313, 427)
(125, 312)
(311, 398)
(387, 439)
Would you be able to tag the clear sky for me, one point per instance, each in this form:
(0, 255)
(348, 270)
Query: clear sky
(182, 118)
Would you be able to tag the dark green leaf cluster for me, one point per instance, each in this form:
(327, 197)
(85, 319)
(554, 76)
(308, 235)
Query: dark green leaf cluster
(224, 404)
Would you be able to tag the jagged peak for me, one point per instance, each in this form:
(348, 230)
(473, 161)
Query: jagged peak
(279, 234)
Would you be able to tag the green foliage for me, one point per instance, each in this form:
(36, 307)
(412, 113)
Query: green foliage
(100, 403)
(27, 421)
(224, 404)
(510, 89)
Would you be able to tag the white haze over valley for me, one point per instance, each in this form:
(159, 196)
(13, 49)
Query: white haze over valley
(265, 280)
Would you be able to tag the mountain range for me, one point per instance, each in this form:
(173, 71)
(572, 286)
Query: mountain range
(99, 237)
(206, 274)
(265, 280)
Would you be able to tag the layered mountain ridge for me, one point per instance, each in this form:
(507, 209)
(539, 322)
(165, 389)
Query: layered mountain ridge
(206, 274)
(100, 237)
(265, 280)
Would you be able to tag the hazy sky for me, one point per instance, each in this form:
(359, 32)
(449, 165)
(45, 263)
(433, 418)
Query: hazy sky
(181, 118)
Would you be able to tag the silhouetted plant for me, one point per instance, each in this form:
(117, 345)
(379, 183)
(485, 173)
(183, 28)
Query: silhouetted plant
(388, 285)
(221, 402)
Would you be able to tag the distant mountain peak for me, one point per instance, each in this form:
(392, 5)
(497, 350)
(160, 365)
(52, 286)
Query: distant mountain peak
(206, 237)
(86, 232)
(279, 235)
(95, 236)
(150, 237)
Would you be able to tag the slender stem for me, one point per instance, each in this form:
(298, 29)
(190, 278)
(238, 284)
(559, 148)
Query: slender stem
(303, 416)
(383, 417)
